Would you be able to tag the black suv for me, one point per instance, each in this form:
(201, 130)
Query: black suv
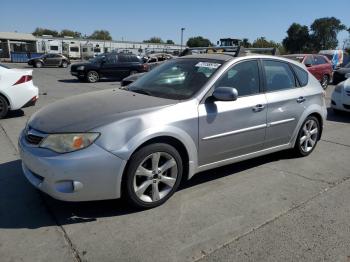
(111, 65)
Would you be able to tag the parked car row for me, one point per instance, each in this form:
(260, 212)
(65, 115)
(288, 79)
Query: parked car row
(55, 60)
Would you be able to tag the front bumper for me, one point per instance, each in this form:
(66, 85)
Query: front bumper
(88, 174)
(77, 73)
(340, 101)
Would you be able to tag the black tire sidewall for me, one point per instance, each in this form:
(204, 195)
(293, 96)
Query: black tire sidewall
(64, 64)
(4, 112)
(297, 146)
(133, 164)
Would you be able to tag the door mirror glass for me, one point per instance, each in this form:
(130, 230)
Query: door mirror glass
(225, 93)
(308, 65)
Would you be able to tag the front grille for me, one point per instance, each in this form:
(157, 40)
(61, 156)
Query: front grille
(346, 106)
(32, 139)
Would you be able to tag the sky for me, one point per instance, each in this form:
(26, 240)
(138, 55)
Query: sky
(137, 20)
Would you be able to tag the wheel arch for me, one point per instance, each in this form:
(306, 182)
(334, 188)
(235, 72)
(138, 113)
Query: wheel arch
(7, 99)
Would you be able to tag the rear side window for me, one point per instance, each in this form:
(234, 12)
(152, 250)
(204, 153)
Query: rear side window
(279, 76)
(302, 75)
(243, 76)
(123, 58)
(111, 59)
(319, 60)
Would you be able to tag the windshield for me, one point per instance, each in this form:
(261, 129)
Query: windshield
(295, 57)
(176, 79)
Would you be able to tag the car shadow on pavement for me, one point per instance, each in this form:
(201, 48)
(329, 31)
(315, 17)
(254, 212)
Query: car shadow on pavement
(77, 81)
(22, 206)
(14, 114)
(342, 117)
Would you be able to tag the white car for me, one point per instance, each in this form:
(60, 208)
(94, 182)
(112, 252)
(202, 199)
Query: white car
(341, 96)
(16, 89)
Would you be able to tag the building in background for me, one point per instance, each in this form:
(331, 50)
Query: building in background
(75, 48)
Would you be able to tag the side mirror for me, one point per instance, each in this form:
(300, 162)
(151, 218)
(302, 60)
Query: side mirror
(347, 75)
(308, 65)
(225, 93)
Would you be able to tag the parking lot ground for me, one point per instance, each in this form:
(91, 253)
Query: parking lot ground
(273, 208)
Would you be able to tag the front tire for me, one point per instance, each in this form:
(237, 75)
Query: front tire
(308, 137)
(92, 77)
(4, 107)
(64, 64)
(38, 64)
(153, 174)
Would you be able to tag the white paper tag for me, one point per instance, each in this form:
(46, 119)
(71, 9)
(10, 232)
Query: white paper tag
(208, 65)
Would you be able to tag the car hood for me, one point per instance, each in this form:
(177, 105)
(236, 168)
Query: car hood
(343, 70)
(88, 111)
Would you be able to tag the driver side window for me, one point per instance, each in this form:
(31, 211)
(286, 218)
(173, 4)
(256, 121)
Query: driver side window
(243, 76)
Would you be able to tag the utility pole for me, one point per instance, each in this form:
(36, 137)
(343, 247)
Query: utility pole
(182, 36)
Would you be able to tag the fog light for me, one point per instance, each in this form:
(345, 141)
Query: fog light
(68, 186)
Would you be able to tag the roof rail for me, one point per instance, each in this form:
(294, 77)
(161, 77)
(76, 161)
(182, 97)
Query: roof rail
(235, 51)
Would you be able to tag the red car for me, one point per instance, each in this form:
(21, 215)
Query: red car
(318, 65)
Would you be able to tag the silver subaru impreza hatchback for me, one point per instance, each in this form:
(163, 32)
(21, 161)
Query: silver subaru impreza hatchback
(188, 115)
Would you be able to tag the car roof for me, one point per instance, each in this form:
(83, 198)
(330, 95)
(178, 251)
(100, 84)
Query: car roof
(222, 57)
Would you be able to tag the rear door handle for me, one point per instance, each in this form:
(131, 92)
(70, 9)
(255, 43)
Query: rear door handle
(258, 108)
(301, 99)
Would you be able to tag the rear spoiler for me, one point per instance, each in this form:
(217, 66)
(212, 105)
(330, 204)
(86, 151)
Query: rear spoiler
(228, 50)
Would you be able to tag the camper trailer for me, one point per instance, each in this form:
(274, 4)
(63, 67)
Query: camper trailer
(87, 51)
(71, 50)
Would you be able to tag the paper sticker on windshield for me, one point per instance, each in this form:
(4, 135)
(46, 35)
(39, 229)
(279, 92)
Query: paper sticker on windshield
(208, 65)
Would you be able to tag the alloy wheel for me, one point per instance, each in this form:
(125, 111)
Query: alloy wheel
(324, 82)
(155, 177)
(93, 76)
(309, 136)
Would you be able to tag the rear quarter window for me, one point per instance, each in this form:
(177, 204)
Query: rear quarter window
(302, 75)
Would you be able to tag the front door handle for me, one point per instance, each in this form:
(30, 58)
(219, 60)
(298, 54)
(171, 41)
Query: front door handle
(301, 99)
(258, 108)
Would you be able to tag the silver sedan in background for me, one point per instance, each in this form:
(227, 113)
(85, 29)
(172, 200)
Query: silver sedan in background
(188, 115)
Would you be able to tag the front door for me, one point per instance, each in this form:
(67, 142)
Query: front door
(228, 129)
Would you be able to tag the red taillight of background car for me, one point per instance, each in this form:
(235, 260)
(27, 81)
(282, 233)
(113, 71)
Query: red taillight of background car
(145, 67)
(23, 79)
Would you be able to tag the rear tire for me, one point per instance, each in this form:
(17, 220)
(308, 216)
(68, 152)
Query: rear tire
(325, 82)
(38, 64)
(308, 137)
(152, 176)
(92, 76)
(4, 107)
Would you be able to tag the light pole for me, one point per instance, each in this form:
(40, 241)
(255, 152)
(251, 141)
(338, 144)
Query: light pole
(182, 36)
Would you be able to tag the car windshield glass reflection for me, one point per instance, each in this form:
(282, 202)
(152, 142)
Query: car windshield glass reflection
(178, 79)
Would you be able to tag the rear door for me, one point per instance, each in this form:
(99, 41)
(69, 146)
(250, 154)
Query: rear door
(285, 102)
(109, 66)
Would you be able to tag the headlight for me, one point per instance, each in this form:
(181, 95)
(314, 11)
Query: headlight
(80, 68)
(64, 143)
(338, 88)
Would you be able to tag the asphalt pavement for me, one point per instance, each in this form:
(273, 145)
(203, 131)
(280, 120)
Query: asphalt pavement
(273, 208)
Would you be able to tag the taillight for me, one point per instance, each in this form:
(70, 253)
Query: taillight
(145, 67)
(24, 79)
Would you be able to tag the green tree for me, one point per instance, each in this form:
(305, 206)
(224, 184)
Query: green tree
(261, 42)
(44, 31)
(298, 39)
(324, 32)
(67, 32)
(170, 42)
(100, 35)
(155, 40)
(246, 43)
(198, 41)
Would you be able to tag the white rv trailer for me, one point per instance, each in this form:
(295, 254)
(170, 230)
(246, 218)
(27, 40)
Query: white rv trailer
(72, 50)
